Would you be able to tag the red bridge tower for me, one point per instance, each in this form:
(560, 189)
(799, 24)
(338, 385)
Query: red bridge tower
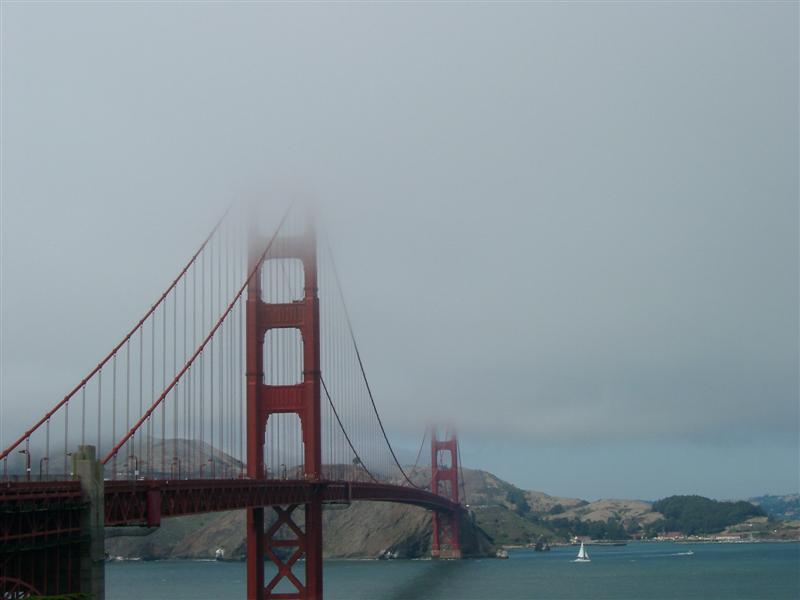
(446, 541)
(302, 399)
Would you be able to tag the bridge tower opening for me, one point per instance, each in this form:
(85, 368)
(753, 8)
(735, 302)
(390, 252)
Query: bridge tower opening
(446, 542)
(267, 312)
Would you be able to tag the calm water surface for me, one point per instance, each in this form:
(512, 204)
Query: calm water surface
(648, 571)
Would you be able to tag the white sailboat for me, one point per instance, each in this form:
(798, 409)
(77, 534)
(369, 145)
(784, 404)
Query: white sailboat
(583, 555)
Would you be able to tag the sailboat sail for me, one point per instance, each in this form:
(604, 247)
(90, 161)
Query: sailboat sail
(583, 555)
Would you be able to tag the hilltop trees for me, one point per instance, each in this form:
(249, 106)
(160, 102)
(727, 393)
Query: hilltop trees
(611, 529)
(517, 497)
(696, 514)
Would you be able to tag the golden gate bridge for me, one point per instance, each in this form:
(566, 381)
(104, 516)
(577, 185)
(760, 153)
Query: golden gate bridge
(242, 387)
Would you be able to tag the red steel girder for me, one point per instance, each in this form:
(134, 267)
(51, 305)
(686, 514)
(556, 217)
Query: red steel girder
(40, 537)
(126, 502)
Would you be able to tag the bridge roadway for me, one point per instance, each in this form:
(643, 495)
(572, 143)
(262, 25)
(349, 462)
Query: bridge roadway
(146, 502)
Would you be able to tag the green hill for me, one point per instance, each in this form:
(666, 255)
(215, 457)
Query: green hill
(696, 514)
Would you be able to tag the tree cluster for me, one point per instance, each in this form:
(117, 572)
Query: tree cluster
(696, 514)
(517, 497)
(612, 529)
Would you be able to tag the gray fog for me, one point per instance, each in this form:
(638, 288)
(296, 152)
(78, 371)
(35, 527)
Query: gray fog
(570, 229)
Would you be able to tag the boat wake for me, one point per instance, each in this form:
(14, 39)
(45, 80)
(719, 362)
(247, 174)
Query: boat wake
(688, 553)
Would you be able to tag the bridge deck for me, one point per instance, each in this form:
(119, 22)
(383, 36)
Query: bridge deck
(145, 502)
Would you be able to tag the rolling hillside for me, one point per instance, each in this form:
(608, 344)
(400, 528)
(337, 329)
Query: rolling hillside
(500, 513)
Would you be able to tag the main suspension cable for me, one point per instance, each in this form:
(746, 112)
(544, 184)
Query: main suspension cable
(361, 365)
(344, 431)
(125, 340)
(419, 452)
(199, 351)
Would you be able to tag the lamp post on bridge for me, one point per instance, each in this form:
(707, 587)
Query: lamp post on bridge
(27, 452)
(135, 459)
(176, 467)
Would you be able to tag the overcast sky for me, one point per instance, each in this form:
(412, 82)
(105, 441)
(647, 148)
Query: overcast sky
(569, 228)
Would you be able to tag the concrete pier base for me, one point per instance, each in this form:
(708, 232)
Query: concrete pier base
(88, 469)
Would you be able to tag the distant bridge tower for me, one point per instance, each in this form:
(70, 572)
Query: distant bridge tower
(302, 399)
(446, 541)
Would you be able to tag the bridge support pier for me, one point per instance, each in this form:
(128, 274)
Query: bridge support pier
(255, 553)
(446, 536)
(283, 544)
(314, 548)
(89, 471)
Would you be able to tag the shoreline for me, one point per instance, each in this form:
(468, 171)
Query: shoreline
(510, 547)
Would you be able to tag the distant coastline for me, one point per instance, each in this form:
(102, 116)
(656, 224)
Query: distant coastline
(500, 514)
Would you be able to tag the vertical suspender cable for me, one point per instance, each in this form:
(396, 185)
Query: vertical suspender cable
(185, 387)
(361, 367)
(114, 413)
(200, 391)
(192, 391)
(83, 415)
(163, 385)
(47, 442)
(221, 337)
(149, 430)
(141, 386)
(175, 395)
(99, 405)
(127, 391)
(225, 407)
(240, 388)
(211, 363)
(66, 434)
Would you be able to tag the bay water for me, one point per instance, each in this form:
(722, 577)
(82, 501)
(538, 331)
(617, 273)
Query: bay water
(641, 571)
